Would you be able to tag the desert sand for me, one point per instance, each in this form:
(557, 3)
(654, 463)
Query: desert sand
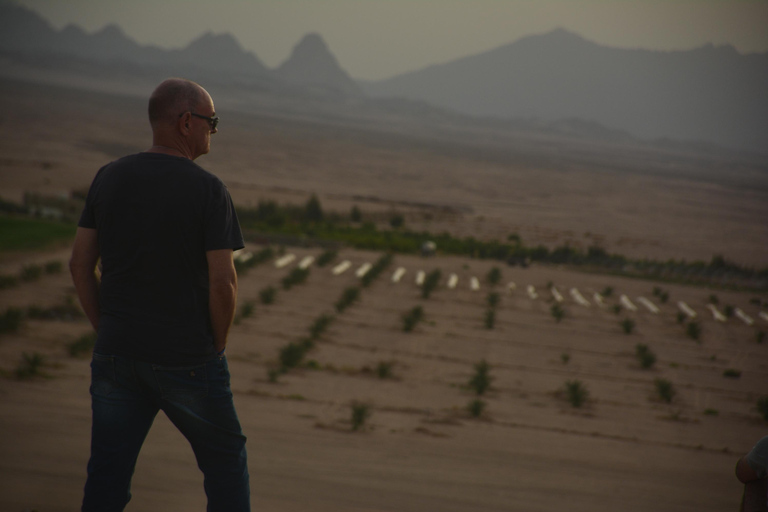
(420, 450)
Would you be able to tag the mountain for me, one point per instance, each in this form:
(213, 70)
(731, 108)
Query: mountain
(710, 93)
(312, 64)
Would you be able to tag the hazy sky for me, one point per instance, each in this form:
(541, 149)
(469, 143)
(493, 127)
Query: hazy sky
(374, 39)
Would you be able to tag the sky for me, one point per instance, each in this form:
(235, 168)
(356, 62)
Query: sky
(377, 39)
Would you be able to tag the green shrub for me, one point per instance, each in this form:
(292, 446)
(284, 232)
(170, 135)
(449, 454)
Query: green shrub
(493, 299)
(664, 297)
(607, 291)
(384, 369)
(82, 345)
(762, 406)
(681, 317)
(267, 295)
(296, 276)
(31, 272)
(348, 296)
(576, 393)
(8, 281)
(732, 373)
(376, 269)
(53, 267)
(360, 414)
(476, 408)
(728, 311)
(494, 276)
(10, 321)
(711, 412)
(490, 318)
(430, 283)
(29, 366)
(319, 326)
(397, 221)
(628, 325)
(644, 356)
(246, 310)
(481, 380)
(557, 311)
(355, 215)
(760, 336)
(411, 318)
(616, 309)
(693, 330)
(326, 257)
(664, 390)
(565, 357)
(291, 355)
(713, 299)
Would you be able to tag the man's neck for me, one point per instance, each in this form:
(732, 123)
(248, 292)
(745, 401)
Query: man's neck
(166, 150)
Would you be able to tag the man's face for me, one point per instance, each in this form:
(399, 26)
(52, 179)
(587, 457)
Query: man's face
(200, 128)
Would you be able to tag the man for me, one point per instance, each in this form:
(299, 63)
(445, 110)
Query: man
(165, 230)
(751, 471)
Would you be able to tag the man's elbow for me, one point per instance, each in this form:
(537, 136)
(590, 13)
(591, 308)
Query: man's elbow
(744, 471)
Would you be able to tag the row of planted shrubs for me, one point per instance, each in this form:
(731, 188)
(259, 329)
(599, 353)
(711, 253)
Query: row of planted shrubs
(29, 273)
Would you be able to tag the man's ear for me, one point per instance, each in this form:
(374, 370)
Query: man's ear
(183, 123)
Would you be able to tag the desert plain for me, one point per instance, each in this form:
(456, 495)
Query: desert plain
(420, 449)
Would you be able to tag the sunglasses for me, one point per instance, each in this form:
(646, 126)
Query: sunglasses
(213, 122)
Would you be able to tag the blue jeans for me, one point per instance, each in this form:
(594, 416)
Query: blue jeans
(126, 396)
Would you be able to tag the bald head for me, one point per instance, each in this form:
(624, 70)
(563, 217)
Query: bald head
(172, 98)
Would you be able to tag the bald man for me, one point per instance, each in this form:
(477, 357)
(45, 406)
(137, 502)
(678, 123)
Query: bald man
(164, 230)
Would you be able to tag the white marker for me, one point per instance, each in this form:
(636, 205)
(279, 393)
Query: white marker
(453, 281)
(650, 306)
(474, 284)
(285, 260)
(399, 273)
(685, 308)
(341, 267)
(306, 262)
(532, 292)
(627, 303)
(364, 268)
(578, 297)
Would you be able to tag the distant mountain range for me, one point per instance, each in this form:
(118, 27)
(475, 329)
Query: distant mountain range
(558, 79)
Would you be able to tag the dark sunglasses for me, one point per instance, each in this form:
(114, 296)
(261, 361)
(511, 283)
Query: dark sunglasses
(213, 122)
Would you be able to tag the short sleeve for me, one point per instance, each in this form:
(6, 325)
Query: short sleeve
(88, 217)
(222, 229)
(756, 458)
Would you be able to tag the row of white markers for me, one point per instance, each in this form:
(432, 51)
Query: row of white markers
(474, 284)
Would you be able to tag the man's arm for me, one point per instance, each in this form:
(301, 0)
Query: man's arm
(82, 266)
(222, 282)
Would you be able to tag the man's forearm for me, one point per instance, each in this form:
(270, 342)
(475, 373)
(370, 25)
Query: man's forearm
(87, 286)
(222, 302)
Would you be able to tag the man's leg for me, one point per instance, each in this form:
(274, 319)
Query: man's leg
(199, 402)
(122, 417)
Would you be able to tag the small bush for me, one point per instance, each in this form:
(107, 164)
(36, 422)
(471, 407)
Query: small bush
(760, 336)
(376, 269)
(290, 356)
(494, 276)
(411, 318)
(713, 299)
(729, 311)
(384, 369)
(476, 408)
(558, 312)
(326, 257)
(82, 345)
(644, 356)
(273, 374)
(29, 366)
(296, 276)
(267, 295)
(664, 297)
(616, 309)
(693, 330)
(576, 393)
(565, 357)
(348, 296)
(490, 318)
(711, 412)
(732, 373)
(246, 310)
(10, 321)
(355, 215)
(360, 414)
(319, 326)
(481, 380)
(628, 325)
(681, 317)
(397, 221)
(31, 272)
(607, 292)
(664, 390)
(53, 267)
(8, 281)
(493, 299)
(762, 407)
(430, 283)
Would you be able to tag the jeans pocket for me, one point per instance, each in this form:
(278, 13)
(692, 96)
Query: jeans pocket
(182, 384)
(103, 375)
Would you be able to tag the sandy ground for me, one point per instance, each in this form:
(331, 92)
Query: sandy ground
(420, 450)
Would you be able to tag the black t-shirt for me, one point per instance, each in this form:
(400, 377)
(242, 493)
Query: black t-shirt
(156, 216)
